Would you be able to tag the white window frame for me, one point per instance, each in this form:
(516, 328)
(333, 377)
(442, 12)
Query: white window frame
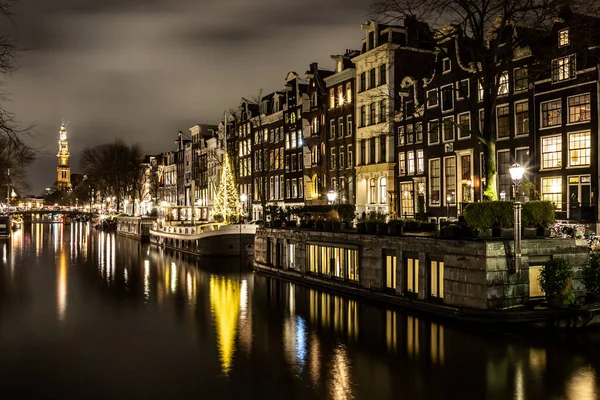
(439, 132)
(451, 86)
(444, 198)
(561, 37)
(401, 162)
(541, 114)
(431, 160)
(589, 132)
(542, 152)
(515, 117)
(458, 95)
(459, 130)
(422, 168)
(569, 109)
(437, 98)
(409, 170)
(443, 136)
(500, 84)
(507, 105)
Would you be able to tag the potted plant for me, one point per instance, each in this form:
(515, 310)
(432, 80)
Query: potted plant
(396, 227)
(529, 228)
(555, 277)
(543, 216)
(590, 275)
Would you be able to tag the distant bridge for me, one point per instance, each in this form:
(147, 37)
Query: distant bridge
(47, 215)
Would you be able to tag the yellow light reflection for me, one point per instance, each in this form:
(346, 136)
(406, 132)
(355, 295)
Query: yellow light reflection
(315, 359)
(341, 383)
(225, 308)
(583, 385)
(61, 287)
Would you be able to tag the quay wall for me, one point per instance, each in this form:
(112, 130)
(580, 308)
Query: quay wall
(478, 274)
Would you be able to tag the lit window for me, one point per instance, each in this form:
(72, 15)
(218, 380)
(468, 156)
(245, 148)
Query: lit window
(411, 163)
(372, 191)
(563, 68)
(551, 113)
(412, 275)
(331, 98)
(552, 190)
(551, 152)
(400, 135)
(348, 93)
(579, 149)
(579, 108)
(503, 84)
(382, 190)
(420, 162)
(437, 279)
(563, 38)
(401, 164)
(434, 181)
(450, 179)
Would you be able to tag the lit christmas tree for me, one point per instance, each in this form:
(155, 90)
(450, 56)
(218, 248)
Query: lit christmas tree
(228, 203)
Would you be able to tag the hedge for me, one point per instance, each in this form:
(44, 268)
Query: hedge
(500, 214)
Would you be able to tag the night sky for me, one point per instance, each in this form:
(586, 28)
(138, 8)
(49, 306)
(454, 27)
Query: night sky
(143, 69)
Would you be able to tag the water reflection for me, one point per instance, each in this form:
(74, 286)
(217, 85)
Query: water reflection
(235, 333)
(225, 308)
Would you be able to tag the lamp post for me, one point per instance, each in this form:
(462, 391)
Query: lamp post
(516, 173)
(243, 198)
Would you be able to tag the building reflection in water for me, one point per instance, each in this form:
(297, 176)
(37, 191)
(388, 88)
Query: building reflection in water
(341, 387)
(62, 281)
(583, 384)
(225, 308)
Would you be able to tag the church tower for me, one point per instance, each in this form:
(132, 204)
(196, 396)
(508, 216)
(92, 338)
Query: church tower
(63, 170)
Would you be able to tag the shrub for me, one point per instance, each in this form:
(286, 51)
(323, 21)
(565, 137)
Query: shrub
(489, 214)
(555, 276)
(344, 211)
(376, 216)
(590, 274)
(538, 214)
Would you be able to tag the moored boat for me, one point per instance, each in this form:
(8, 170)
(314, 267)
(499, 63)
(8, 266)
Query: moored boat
(5, 226)
(208, 239)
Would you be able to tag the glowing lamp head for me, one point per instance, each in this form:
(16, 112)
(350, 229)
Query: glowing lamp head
(331, 196)
(516, 172)
(243, 197)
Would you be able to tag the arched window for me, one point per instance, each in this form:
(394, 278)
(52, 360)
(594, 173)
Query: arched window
(315, 187)
(372, 191)
(382, 190)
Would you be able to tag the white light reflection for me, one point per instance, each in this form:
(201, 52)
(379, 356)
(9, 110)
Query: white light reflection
(244, 299)
(146, 279)
(173, 277)
(4, 253)
(583, 385)
(126, 276)
(300, 342)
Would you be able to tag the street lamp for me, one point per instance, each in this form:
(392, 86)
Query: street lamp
(516, 173)
(243, 198)
(331, 196)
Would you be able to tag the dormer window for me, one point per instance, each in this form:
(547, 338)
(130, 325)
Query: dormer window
(446, 66)
(563, 38)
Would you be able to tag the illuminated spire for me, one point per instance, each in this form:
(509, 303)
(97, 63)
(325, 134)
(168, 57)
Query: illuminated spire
(63, 170)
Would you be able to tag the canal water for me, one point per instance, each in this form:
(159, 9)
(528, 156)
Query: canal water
(85, 314)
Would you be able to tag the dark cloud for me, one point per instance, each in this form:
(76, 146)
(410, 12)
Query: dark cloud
(142, 70)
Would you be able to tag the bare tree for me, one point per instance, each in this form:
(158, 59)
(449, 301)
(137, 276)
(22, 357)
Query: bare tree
(488, 31)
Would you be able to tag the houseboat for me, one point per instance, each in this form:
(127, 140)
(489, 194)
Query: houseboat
(5, 227)
(135, 227)
(205, 239)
